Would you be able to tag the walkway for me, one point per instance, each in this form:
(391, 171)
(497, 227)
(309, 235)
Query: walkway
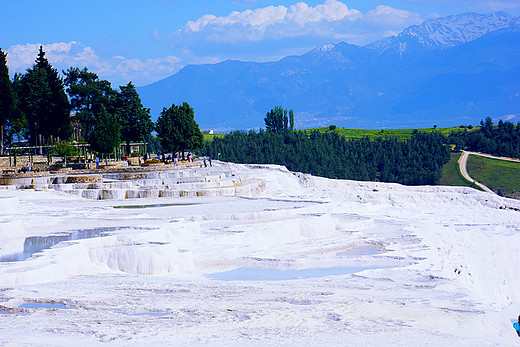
(462, 166)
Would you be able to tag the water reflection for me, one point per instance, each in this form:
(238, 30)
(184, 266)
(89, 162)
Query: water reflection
(257, 274)
(355, 251)
(159, 205)
(36, 244)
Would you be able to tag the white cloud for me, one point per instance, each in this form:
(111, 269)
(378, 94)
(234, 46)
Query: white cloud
(387, 15)
(269, 21)
(118, 69)
(263, 34)
(330, 20)
(330, 11)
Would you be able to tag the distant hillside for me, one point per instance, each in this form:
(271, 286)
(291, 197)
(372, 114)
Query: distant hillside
(452, 70)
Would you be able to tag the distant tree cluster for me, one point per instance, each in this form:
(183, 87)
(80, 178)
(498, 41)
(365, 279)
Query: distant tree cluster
(500, 140)
(35, 106)
(416, 161)
(279, 119)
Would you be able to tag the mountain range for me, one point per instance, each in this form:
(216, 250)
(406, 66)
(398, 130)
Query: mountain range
(447, 71)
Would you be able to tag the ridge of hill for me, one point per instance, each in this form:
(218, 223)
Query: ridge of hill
(451, 70)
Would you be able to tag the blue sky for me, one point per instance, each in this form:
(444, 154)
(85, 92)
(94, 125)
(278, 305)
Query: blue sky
(146, 40)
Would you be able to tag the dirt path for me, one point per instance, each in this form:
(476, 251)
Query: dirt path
(493, 157)
(462, 166)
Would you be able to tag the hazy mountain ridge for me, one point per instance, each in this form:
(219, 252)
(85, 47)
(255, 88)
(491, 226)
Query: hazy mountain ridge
(446, 32)
(410, 80)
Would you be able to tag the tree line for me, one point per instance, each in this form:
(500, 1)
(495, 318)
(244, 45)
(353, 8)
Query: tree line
(37, 106)
(416, 161)
(500, 140)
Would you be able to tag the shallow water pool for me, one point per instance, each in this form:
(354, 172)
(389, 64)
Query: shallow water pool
(158, 205)
(354, 251)
(258, 274)
(36, 244)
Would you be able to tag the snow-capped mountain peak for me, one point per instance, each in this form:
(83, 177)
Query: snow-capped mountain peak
(447, 32)
(324, 48)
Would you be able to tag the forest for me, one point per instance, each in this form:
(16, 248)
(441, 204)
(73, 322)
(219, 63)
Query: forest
(41, 108)
(413, 161)
(416, 161)
(501, 140)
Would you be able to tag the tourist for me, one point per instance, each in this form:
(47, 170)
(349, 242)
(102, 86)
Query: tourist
(209, 158)
(517, 326)
(205, 165)
(28, 166)
(97, 162)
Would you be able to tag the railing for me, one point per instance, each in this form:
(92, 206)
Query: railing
(84, 149)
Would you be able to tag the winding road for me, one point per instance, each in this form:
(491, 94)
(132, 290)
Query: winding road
(462, 166)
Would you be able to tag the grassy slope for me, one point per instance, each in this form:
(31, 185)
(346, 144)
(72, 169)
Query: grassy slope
(358, 133)
(210, 137)
(400, 133)
(499, 175)
(451, 175)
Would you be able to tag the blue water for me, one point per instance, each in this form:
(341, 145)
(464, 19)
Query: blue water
(256, 274)
(355, 251)
(36, 244)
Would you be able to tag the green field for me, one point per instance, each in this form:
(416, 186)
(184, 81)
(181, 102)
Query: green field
(359, 133)
(400, 133)
(501, 176)
(210, 137)
(451, 175)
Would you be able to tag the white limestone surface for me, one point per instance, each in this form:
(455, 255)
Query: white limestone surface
(296, 260)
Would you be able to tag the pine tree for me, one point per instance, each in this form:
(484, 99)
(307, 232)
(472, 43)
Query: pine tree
(134, 119)
(17, 125)
(44, 102)
(7, 99)
(88, 95)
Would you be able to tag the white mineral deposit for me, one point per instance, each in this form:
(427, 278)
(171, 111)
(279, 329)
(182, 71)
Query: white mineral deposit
(253, 256)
